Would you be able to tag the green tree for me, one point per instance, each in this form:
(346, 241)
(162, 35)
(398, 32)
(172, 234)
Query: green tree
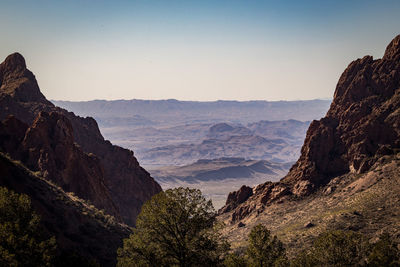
(385, 252)
(264, 249)
(235, 260)
(21, 240)
(175, 228)
(304, 259)
(334, 248)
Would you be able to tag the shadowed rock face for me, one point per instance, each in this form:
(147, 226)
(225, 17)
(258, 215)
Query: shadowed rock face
(362, 125)
(48, 147)
(128, 184)
(79, 229)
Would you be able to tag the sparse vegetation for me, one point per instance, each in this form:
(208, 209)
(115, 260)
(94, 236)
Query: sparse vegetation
(235, 260)
(22, 242)
(175, 228)
(265, 249)
(385, 252)
(334, 248)
(348, 248)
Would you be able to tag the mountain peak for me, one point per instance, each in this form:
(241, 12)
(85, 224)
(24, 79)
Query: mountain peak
(360, 128)
(18, 82)
(393, 49)
(14, 62)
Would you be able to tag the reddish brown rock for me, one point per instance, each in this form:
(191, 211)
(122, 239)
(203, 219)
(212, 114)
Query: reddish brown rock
(237, 197)
(129, 184)
(48, 147)
(81, 231)
(18, 82)
(362, 124)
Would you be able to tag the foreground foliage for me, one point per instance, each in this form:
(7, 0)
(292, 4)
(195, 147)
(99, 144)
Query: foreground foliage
(264, 249)
(385, 252)
(21, 240)
(348, 248)
(178, 228)
(175, 228)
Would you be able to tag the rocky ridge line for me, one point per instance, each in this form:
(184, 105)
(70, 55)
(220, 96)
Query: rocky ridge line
(361, 126)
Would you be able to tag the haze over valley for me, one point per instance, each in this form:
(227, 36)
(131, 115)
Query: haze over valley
(175, 135)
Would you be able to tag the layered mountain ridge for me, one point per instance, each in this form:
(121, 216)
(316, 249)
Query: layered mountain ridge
(126, 183)
(361, 126)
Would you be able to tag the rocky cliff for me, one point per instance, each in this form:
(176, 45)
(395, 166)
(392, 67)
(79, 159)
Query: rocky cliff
(361, 126)
(126, 183)
(48, 147)
(84, 234)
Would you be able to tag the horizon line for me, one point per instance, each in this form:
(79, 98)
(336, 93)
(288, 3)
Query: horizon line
(205, 101)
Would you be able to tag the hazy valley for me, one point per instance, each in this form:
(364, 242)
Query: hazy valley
(169, 140)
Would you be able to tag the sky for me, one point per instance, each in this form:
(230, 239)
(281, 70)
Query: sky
(194, 50)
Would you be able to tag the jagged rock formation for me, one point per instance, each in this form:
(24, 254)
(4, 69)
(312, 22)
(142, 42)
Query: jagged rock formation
(361, 126)
(47, 147)
(129, 185)
(237, 197)
(80, 229)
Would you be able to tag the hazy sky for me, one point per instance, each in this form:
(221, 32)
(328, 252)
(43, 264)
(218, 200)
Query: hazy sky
(194, 50)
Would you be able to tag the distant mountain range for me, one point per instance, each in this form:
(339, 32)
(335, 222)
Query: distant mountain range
(217, 177)
(168, 112)
(277, 141)
(172, 132)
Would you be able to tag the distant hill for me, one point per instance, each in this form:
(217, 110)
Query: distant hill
(165, 132)
(277, 141)
(216, 177)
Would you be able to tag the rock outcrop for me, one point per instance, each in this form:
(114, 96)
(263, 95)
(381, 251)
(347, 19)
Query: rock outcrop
(361, 126)
(48, 147)
(83, 233)
(236, 198)
(128, 184)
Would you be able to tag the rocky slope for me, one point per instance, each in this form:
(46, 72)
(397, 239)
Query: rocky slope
(82, 232)
(128, 184)
(48, 147)
(367, 203)
(361, 126)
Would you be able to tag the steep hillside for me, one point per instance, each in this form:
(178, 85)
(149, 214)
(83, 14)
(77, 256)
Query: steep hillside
(48, 147)
(360, 130)
(368, 203)
(129, 184)
(80, 229)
